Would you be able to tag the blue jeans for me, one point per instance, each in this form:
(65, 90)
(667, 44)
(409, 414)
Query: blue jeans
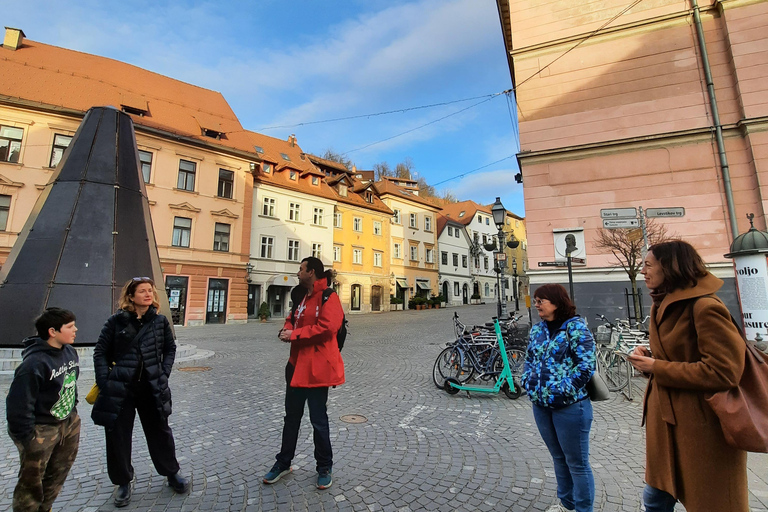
(566, 433)
(656, 500)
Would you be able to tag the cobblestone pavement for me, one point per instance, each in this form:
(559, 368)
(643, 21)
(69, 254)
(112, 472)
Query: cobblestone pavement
(420, 448)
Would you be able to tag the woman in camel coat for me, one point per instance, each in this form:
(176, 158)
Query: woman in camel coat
(695, 350)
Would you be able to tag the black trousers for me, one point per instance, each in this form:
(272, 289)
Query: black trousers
(317, 400)
(158, 433)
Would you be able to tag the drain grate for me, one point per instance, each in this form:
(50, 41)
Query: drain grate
(194, 369)
(353, 418)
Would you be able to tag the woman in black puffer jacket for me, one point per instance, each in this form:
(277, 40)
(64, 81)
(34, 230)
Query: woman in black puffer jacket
(132, 362)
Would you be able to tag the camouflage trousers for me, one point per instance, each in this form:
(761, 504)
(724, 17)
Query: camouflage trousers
(45, 464)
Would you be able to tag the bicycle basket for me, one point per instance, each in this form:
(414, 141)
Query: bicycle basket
(603, 335)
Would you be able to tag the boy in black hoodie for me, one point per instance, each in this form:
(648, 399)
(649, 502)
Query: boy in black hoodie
(42, 418)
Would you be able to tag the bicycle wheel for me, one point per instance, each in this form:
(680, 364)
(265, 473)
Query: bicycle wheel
(516, 358)
(616, 370)
(448, 364)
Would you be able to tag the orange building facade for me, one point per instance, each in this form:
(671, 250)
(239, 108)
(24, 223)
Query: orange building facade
(615, 111)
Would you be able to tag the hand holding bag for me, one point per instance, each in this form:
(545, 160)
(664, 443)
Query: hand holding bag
(93, 394)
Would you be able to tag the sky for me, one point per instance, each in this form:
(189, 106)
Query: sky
(289, 67)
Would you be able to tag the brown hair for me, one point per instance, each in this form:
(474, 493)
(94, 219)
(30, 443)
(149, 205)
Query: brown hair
(556, 294)
(680, 263)
(129, 289)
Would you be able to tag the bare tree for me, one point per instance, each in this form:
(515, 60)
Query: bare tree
(448, 196)
(627, 247)
(404, 169)
(333, 156)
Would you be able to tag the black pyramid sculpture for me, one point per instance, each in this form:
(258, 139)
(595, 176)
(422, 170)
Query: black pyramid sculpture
(89, 232)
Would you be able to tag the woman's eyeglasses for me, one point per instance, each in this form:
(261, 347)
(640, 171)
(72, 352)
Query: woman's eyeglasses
(145, 278)
(539, 302)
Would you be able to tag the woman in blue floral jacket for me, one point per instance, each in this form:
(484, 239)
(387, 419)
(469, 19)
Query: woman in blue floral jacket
(558, 365)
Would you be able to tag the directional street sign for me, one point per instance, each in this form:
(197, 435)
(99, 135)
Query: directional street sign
(621, 223)
(553, 264)
(578, 260)
(665, 212)
(618, 213)
(635, 235)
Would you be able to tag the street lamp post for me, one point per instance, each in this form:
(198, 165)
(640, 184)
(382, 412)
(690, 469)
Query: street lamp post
(499, 216)
(514, 277)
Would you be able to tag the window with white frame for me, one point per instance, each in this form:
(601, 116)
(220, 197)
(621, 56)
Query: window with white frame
(397, 251)
(317, 217)
(10, 143)
(60, 143)
(221, 237)
(187, 173)
(414, 221)
(487, 221)
(294, 212)
(456, 232)
(456, 289)
(427, 223)
(429, 255)
(5, 208)
(450, 231)
(317, 250)
(293, 250)
(464, 260)
(145, 158)
(182, 231)
(268, 207)
(226, 184)
(337, 219)
(357, 256)
(396, 216)
(444, 258)
(377, 228)
(267, 246)
(414, 253)
(267, 168)
(480, 219)
(336, 253)
(455, 260)
(377, 259)
(487, 289)
(342, 190)
(485, 262)
(357, 224)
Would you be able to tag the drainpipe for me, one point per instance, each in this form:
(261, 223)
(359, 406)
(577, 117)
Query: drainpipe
(716, 120)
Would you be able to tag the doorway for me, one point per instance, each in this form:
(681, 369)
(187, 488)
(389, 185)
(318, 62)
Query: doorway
(357, 292)
(254, 295)
(376, 298)
(176, 289)
(216, 310)
(465, 294)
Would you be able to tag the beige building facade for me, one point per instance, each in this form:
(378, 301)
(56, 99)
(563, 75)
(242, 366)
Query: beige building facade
(615, 111)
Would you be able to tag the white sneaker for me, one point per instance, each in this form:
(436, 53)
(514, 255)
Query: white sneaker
(558, 508)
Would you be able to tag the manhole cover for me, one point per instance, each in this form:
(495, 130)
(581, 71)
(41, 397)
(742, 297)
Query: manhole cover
(194, 369)
(353, 418)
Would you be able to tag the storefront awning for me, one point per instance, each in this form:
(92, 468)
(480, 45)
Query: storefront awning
(402, 283)
(421, 285)
(283, 280)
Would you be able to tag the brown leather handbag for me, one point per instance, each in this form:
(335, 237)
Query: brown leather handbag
(743, 410)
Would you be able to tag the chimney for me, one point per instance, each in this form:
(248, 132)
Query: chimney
(292, 140)
(14, 37)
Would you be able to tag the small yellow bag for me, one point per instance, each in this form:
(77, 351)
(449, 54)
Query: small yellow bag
(93, 394)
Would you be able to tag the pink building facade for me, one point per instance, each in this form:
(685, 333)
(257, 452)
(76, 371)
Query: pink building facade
(615, 111)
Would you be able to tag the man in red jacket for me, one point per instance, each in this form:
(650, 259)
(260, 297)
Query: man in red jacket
(314, 365)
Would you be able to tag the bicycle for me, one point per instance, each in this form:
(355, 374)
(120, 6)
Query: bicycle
(476, 350)
(492, 363)
(614, 343)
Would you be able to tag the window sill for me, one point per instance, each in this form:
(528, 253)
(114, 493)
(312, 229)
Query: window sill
(232, 200)
(269, 217)
(15, 164)
(186, 191)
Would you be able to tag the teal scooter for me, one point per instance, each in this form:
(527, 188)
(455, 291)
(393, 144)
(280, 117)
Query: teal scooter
(504, 381)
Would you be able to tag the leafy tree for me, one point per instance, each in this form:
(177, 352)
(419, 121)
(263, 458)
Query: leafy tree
(333, 156)
(627, 247)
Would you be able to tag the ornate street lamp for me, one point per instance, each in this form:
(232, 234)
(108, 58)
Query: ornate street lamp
(515, 292)
(499, 217)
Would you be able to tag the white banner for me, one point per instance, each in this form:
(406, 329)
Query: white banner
(752, 281)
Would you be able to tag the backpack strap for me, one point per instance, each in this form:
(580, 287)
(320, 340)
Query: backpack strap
(327, 294)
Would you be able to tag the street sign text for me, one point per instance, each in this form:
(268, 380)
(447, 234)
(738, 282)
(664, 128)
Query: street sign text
(618, 213)
(665, 212)
(620, 223)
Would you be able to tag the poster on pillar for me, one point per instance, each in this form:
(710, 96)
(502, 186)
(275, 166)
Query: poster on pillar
(752, 280)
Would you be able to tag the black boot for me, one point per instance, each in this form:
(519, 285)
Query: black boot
(178, 483)
(123, 496)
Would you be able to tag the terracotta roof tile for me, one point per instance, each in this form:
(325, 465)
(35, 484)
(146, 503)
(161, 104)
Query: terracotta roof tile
(387, 187)
(59, 77)
(453, 210)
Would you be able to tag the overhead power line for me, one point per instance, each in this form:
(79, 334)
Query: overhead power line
(375, 114)
(473, 170)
